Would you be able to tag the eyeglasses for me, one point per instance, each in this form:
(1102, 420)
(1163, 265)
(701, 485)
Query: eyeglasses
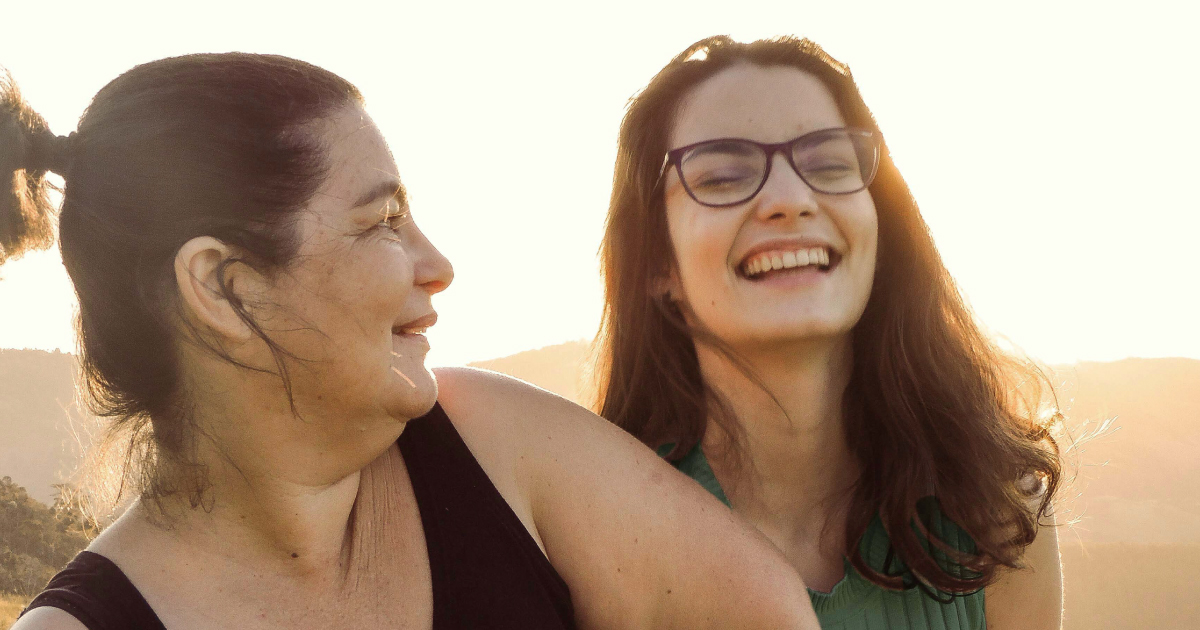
(730, 171)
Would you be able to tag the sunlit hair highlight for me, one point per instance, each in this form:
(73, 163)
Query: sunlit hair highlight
(933, 407)
(26, 215)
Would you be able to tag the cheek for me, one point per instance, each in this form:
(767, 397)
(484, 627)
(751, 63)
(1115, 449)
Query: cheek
(379, 266)
(858, 222)
(871, 240)
(702, 246)
(866, 242)
(358, 294)
(873, 236)
(377, 289)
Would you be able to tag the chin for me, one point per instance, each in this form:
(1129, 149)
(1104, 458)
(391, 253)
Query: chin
(415, 395)
(787, 328)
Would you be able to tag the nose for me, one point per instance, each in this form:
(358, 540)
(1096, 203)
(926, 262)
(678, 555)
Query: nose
(784, 196)
(432, 271)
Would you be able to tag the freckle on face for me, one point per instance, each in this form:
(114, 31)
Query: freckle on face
(769, 105)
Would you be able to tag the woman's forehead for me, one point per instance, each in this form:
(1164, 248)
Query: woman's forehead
(767, 104)
(357, 155)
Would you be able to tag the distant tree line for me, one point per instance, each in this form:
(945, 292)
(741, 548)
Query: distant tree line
(36, 540)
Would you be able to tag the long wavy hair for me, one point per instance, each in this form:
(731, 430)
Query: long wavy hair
(933, 407)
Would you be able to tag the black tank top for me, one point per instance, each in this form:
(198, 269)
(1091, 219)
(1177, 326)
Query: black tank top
(486, 570)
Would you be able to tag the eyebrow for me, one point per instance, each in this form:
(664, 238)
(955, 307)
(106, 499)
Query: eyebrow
(382, 190)
(725, 145)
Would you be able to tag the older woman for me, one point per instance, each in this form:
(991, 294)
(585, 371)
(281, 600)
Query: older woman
(779, 322)
(252, 297)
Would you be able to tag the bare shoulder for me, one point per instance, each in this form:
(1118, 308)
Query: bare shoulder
(1031, 597)
(506, 423)
(48, 618)
(522, 419)
(626, 531)
(467, 389)
(489, 405)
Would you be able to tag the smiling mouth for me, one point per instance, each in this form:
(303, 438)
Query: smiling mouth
(416, 326)
(775, 262)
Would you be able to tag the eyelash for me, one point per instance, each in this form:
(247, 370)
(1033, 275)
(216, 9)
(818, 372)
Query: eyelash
(387, 222)
(393, 213)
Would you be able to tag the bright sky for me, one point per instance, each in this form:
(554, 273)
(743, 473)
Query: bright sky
(1052, 146)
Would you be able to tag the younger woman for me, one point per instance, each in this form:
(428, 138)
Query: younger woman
(780, 324)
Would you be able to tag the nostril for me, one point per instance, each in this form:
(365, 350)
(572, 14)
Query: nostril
(436, 286)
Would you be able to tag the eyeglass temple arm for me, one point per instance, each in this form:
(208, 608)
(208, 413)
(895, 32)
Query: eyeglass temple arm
(662, 171)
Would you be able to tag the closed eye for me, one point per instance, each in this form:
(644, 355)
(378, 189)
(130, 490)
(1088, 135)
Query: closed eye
(395, 215)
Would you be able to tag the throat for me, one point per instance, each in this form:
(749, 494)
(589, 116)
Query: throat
(812, 538)
(820, 572)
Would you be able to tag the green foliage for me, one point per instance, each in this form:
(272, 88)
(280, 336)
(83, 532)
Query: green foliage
(36, 541)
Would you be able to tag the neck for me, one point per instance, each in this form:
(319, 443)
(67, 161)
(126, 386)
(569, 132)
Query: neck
(791, 462)
(293, 498)
(270, 523)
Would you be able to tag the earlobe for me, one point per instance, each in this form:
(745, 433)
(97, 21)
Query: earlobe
(667, 287)
(200, 270)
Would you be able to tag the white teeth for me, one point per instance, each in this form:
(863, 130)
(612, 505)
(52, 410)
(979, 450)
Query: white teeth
(769, 261)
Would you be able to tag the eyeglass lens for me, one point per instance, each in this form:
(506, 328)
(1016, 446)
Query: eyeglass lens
(729, 172)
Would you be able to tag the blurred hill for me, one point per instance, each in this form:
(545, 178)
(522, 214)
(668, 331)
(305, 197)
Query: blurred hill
(37, 403)
(1126, 586)
(559, 368)
(1133, 440)
(1139, 480)
(1130, 549)
(1131, 538)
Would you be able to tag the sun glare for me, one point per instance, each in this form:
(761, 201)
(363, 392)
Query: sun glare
(1037, 164)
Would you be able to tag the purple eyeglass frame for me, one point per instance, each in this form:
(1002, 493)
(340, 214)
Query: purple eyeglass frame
(673, 158)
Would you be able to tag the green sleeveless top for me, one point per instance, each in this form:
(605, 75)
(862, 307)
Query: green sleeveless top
(856, 603)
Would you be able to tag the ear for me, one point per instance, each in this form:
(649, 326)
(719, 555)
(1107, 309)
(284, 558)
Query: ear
(201, 266)
(667, 285)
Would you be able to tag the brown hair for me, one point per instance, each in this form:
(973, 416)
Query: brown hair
(199, 145)
(932, 406)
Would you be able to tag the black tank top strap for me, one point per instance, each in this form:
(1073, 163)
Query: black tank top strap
(96, 592)
(487, 571)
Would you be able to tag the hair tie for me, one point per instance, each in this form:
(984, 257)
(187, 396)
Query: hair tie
(48, 152)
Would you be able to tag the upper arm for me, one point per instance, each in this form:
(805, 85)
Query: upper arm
(1029, 598)
(639, 544)
(48, 618)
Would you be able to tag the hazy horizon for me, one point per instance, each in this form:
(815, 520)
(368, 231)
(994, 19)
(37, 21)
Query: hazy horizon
(1127, 508)
(1058, 198)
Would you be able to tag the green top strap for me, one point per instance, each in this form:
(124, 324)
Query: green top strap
(856, 603)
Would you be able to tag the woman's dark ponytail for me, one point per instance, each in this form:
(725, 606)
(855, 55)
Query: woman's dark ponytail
(28, 150)
(219, 145)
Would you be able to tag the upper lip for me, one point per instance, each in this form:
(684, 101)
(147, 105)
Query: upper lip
(419, 323)
(785, 244)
